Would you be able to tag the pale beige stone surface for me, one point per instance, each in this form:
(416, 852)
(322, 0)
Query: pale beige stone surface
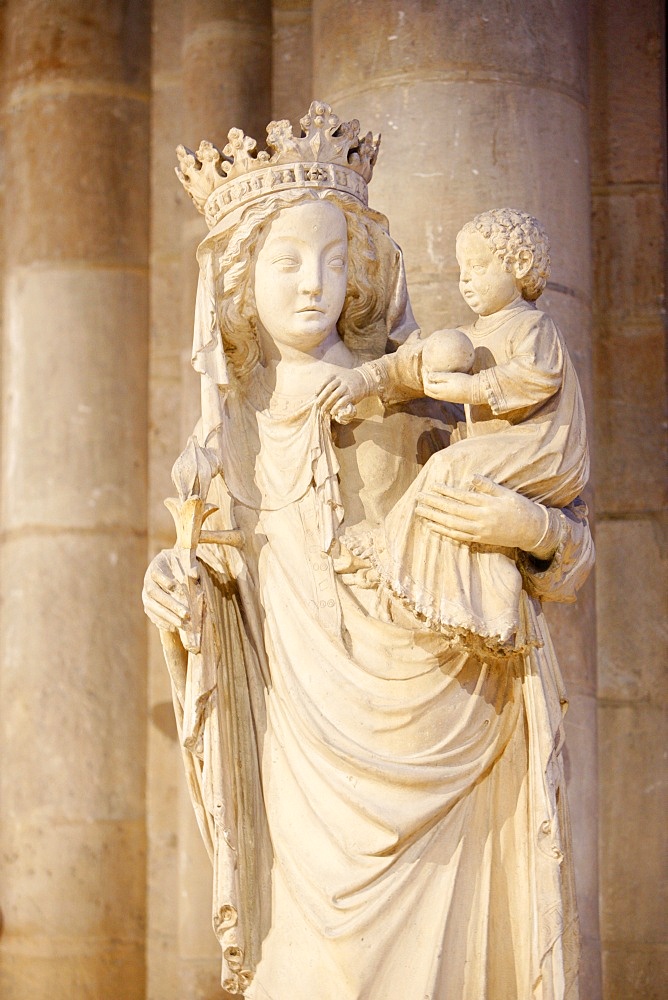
(581, 745)
(226, 60)
(291, 73)
(90, 654)
(72, 827)
(93, 192)
(198, 946)
(102, 971)
(76, 41)
(574, 639)
(168, 210)
(419, 41)
(72, 673)
(80, 447)
(75, 862)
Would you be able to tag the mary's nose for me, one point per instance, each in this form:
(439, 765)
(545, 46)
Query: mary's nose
(310, 278)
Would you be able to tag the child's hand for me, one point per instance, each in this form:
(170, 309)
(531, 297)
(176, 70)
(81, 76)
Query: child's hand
(340, 393)
(454, 387)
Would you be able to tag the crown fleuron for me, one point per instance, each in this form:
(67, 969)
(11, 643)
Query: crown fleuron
(328, 154)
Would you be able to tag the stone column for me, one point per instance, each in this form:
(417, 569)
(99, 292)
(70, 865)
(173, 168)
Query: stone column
(480, 106)
(227, 66)
(211, 71)
(72, 664)
(169, 336)
(629, 227)
(291, 80)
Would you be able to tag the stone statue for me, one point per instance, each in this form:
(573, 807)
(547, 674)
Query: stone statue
(384, 805)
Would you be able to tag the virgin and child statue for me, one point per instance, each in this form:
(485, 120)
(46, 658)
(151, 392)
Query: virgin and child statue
(369, 520)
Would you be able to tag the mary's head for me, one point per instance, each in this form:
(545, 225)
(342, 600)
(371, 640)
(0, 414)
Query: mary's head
(298, 267)
(282, 221)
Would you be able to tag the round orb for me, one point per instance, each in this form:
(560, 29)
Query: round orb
(448, 351)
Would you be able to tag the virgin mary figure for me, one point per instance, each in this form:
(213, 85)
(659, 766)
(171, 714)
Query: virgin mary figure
(386, 813)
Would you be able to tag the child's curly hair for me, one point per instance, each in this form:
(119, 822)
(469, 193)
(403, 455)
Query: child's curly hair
(507, 231)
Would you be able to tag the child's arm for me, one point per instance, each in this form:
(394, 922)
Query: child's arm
(397, 373)
(503, 388)
(532, 374)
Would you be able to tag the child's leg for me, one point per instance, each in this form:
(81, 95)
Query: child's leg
(456, 588)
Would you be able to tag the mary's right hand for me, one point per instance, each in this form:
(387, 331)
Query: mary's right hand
(165, 599)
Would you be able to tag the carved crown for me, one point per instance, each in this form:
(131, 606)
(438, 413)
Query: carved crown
(328, 154)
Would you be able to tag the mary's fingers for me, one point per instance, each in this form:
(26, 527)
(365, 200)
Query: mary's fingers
(161, 616)
(455, 494)
(483, 484)
(160, 598)
(447, 519)
(325, 390)
(456, 536)
(460, 507)
(336, 394)
(162, 578)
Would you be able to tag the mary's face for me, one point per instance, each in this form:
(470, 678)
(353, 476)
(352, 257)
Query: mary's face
(301, 273)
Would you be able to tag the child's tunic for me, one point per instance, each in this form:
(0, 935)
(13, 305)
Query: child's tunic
(530, 436)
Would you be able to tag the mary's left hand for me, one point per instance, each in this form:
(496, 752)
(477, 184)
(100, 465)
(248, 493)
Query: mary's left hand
(342, 390)
(485, 513)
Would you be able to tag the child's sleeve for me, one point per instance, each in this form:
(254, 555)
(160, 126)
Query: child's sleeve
(396, 376)
(533, 373)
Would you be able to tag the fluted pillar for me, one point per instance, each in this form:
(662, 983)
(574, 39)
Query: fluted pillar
(481, 106)
(72, 673)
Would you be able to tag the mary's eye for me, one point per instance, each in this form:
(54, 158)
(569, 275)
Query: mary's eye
(337, 261)
(285, 262)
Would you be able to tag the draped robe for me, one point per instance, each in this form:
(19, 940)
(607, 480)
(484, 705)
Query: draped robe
(413, 794)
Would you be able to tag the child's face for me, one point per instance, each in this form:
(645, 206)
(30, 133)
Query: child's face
(483, 279)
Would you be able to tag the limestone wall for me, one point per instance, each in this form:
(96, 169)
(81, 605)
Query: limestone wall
(629, 227)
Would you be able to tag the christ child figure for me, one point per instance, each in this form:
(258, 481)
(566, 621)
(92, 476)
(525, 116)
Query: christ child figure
(524, 428)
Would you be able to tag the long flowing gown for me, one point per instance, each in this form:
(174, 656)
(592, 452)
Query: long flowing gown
(414, 795)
